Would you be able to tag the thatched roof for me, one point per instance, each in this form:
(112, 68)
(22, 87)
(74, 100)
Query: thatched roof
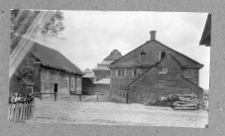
(51, 58)
(114, 55)
(88, 73)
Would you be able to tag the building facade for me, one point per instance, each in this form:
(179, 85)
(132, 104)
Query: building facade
(151, 70)
(50, 71)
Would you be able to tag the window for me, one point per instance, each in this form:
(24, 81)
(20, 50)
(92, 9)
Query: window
(187, 73)
(161, 55)
(66, 83)
(142, 57)
(136, 72)
(72, 82)
(143, 53)
(121, 72)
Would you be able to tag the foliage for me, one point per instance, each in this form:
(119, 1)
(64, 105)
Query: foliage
(22, 20)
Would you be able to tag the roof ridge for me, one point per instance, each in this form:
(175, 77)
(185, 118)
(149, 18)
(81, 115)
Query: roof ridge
(162, 45)
(132, 51)
(59, 61)
(180, 53)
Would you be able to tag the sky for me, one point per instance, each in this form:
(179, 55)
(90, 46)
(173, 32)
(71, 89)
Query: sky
(90, 36)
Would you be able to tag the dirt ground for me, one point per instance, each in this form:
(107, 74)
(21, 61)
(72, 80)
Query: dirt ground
(70, 110)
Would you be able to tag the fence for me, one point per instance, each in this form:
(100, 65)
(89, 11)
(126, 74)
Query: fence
(41, 95)
(21, 111)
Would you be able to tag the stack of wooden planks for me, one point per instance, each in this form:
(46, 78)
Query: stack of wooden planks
(187, 102)
(178, 102)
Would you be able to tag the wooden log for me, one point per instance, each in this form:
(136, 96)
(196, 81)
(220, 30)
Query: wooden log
(185, 108)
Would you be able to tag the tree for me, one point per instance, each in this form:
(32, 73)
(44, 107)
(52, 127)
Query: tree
(30, 23)
(22, 20)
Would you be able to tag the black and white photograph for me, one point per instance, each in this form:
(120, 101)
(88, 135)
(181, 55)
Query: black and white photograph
(133, 68)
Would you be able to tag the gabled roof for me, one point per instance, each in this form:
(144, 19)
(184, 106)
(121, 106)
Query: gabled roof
(52, 58)
(114, 55)
(193, 62)
(206, 34)
(88, 73)
(191, 82)
(155, 67)
(25, 80)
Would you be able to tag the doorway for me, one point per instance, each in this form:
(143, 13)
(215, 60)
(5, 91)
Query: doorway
(55, 87)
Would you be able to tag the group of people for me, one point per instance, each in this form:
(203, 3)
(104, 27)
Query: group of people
(17, 98)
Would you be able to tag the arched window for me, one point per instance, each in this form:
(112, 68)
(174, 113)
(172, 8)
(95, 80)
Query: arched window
(142, 57)
(142, 53)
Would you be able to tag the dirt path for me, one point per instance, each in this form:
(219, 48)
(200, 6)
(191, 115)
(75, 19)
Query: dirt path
(75, 112)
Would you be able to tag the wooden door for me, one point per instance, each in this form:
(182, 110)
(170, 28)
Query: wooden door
(135, 94)
(55, 88)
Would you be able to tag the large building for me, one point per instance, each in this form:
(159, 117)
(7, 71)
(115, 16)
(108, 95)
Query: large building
(48, 69)
(151, 70)
(101, 70)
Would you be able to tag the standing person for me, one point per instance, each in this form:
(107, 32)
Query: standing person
(30, 97)
(14, 98)
(30, 100)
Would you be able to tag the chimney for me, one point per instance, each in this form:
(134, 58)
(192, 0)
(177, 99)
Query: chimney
(152, 33)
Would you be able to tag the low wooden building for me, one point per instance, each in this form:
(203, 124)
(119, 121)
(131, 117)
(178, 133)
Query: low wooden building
(151, 70)
(88, 80)
(49, 70)
(101, 70)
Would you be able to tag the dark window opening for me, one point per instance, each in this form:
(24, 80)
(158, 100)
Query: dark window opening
(55, 88)
(143, 53)
(163, 54)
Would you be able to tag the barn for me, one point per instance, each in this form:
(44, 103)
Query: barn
(151, 70)
(49, 70)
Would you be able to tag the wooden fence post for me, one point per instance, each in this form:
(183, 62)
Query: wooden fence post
(55, 96)
(40, 96)
(80, 97)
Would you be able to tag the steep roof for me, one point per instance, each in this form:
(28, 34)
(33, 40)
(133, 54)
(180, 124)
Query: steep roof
(114, 55)
(88, 73)
(52, 58)
(206, 34)
(183, 59)
(155, 68)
